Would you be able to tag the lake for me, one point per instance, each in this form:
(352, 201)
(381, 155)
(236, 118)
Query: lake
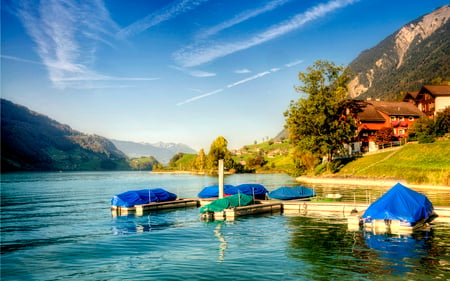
(58, 226)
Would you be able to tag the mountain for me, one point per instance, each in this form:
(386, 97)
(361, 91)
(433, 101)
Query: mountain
(416, 54)
(33, 142)
(163, 152)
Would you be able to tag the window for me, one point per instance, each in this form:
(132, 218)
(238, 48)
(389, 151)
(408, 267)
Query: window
(411, 118)
(393, 118)
(401, 132)
(401, 118)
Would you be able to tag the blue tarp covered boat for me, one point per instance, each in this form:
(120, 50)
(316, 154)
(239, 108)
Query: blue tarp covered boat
(400, 203)
(253, 189)
(289, 193)
(213, 191)
(143, 196)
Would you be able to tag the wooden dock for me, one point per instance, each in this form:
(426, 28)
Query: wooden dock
(139, 210)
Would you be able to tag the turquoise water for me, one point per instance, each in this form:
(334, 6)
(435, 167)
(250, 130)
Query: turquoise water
(58, 226)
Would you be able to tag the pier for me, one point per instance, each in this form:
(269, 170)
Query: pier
(139, 210)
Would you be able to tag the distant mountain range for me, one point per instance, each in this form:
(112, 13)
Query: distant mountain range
(31, 141)
(163, 152)
(416, 54)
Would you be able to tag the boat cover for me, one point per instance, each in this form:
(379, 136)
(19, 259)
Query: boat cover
(288, 193)
(400, 203)
(213, 191)
(227, 202)
(143, 196)
(252, 189)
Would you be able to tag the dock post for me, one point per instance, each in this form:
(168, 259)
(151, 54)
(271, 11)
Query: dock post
(220, 172)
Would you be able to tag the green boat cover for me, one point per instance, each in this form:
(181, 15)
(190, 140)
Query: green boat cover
(236, 200)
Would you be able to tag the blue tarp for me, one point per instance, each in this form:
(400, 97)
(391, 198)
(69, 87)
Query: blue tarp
(143, 196)
(400, 203)
(213, 191)
(249, 189)
(258, 190)
(288, 193)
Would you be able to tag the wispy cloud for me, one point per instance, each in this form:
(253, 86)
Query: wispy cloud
(242, 71)
(168, 12)
(192, 72)
(259, 75)
(200, 53)
(246, 80)
(66, 34)
(246, 15)
(200, 96)
(291, 64)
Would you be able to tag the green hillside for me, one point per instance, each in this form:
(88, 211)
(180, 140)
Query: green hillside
(415, 163)
(33, 142)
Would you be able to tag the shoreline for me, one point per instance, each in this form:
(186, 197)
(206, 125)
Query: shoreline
(363, 181)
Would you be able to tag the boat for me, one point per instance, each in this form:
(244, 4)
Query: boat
(290, 193)
(132, 198)
(221, 204)
(400, 206)
(213, 191)
(257, 191)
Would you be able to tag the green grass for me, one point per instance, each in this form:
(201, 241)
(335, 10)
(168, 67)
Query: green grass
(415, 163)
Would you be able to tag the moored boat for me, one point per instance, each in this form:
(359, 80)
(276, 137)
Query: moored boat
(290, 193)
(399, 207)
(132, 198)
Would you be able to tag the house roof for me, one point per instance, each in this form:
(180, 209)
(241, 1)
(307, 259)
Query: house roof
(410, 94)
(369, 113)
(436, 90)
(396, 108)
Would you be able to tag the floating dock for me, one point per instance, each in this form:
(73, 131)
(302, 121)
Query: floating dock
(254, 209)
(155, 206)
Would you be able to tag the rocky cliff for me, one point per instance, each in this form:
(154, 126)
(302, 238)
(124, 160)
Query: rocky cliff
(416, 54)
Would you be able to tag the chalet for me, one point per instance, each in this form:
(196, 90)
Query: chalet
(431, 99)
(375, 115)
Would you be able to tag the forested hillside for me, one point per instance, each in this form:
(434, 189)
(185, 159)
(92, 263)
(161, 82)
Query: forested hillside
(34, 142)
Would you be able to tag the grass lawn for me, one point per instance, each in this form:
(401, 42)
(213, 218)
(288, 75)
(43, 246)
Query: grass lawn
(415, 163)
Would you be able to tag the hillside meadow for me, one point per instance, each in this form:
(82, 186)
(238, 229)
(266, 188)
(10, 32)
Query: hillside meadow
(416, 163)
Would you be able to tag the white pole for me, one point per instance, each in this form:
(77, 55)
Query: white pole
(220, 178)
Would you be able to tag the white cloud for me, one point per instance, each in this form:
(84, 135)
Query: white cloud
(291, 64)
(242, 71)
(195, 73)
(259, 75)
(204, 52)
(66, 34)
(200, 97)
(167, 13)
(240, 18)
(248, 79)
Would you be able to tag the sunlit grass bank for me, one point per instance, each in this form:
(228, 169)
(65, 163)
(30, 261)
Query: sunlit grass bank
(415, 163)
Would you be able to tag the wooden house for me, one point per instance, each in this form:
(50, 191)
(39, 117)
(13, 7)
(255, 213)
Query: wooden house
(431, 99)
(375, 115)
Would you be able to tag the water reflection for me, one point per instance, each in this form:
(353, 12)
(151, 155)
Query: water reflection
(331, 251)
(223, 243)
(132, 223)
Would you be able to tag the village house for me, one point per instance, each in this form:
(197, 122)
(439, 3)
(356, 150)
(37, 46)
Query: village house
(400, 116)
(431, 99)
(375, 115)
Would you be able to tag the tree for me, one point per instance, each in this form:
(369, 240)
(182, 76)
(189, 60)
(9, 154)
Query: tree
(200, 161)
(322, 122)
(442, 123)
(384, 135)
(217, 151)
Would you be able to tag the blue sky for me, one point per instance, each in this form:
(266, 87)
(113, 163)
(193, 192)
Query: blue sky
(184, 71)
